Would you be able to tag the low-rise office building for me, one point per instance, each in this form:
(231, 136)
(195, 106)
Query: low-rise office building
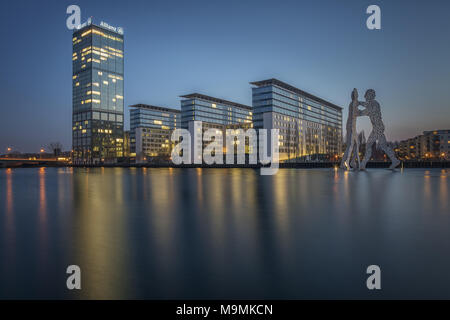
(214, 113)
(151, 128)
(309, 127)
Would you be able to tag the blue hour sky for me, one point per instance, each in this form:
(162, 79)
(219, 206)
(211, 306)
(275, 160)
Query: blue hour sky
(218, 47)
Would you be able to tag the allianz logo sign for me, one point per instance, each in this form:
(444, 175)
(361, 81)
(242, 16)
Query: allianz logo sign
(119, 30)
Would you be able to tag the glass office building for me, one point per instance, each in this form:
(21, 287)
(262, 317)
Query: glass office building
(310, 127)
(213, 111)
(151, 128)
(97, 86)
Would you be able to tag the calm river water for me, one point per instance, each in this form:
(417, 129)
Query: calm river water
(224, 233)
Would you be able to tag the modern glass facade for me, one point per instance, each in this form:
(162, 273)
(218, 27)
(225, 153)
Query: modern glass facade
(214, 113)
(97, 86)
(310, 127)
(211, 110)
(151, 128)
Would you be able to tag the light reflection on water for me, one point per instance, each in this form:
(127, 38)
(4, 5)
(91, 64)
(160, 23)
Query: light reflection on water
(223, 233)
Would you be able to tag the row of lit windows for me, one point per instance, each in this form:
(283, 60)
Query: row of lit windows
(98, 32)
(292, 110)
(273, 92)
(198, 104)
(305, 100)
(105, 52)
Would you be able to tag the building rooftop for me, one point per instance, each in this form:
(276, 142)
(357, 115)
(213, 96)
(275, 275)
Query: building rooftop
(150, 107)
(217, 100)
(103, 25)
(286, 86)
(441, 131)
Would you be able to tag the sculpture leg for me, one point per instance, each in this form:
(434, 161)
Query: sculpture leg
(353, 161)
(357, 154)
(347, 154)
(356, 162)
(390, 153)
(370, 141)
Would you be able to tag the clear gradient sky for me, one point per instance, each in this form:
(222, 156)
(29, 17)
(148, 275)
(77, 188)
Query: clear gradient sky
(218, 47)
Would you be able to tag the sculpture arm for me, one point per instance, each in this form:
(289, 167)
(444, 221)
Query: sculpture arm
(363, 112)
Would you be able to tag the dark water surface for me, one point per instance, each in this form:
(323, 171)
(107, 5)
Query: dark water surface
(224, 233)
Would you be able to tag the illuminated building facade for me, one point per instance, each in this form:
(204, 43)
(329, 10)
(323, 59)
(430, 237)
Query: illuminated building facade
(210, 110)
(309, 127)
(151, 128)
(431, 145)
(214, 113)
(126, 144)
(97, 87)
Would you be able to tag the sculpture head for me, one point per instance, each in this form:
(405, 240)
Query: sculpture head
(354, 94)
(370, 95)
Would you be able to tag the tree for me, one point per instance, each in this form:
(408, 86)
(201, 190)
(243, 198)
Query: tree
(56, 148)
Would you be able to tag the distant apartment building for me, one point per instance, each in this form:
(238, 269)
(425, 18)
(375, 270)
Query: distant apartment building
(151, 128)
(410, 149)
(309, 127)
(431, 145)
(214, 113)
(97, 93)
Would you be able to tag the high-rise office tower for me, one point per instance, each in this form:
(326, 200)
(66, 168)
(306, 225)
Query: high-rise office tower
(97, 86)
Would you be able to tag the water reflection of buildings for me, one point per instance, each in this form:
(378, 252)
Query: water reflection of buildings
(42, 198)
(444, 192)
(101, 232)
(157, 232)
(10, 233)
(9, 197)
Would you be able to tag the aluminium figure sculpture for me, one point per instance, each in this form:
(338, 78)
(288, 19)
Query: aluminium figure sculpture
(351, 135)
(372, 110)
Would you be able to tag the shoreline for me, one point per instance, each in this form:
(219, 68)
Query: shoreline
(298, 165)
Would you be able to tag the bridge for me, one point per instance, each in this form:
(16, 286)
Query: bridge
(33, 162)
